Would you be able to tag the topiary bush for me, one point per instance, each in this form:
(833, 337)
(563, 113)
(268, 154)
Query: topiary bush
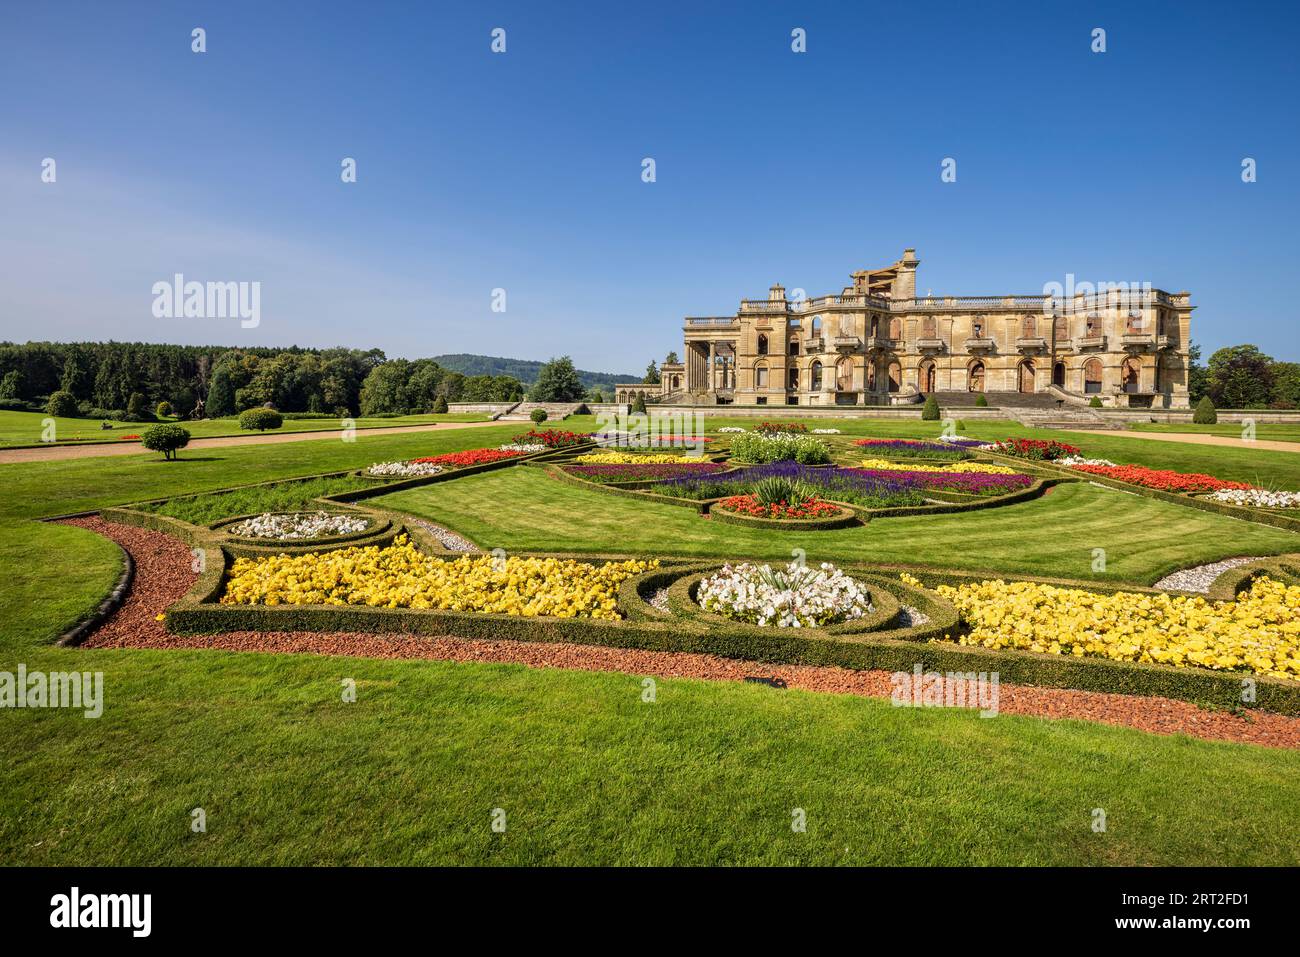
(163, 409)
(981, 401)
(137, 408)
(260, 419)
(1205, 413)
(930, 412)
(61, 405)
(440, 405)
(538, 416)
(638, 404)
(1095, 402)
(166, 439)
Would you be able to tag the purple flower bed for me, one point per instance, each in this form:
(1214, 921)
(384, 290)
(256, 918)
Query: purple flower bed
(965, 443)
(971, 483)
(874, 490)
(650, 472)
(913, 447)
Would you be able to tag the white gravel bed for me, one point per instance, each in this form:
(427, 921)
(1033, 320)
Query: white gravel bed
(447, 538)
(1200, 578)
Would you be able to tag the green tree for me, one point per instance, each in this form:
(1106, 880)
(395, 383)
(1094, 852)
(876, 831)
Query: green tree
(1198, 377)
(671, 359)
(638, 404)
(538, 416)
(75, 379)
(62, 405)
(557, 381)
(930, 411)
(651, 374)
(11, 386)
(1286, 385)
(440, 405)
(221, 391)
(166, 439)
(137, 408)
(1205, 413)
(1240, 377)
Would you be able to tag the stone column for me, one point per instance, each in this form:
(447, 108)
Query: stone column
(713, 367)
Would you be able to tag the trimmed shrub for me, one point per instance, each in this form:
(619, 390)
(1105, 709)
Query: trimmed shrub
(13, 405)
(260, 419)
(440, 405)
(166, 439)
(930, 412)
(137, 408)
(538, 416)
(1205, 413)
(1095, 402)
(638, 404)
(981, 401)
(163, 409)
(62, 405)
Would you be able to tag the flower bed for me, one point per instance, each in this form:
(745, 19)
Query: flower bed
(1036, 450)
(825, 431)
(841, 485)
(1070, 461)
(633, 441)
(796, 597)
(629, 458)
(731, 428)
(129, 438)
(1161, 479)
(551, 438)
(403, 469)
(780, 428)
(296, 526)
(966, 483)
(800, 508)
(400, 576)
(525, 448)
(911, 448)
(759, 448)
(1256, 498)
(1258, 632)
(468, 457)
(639, 472)
(964, 443)
(957, 468)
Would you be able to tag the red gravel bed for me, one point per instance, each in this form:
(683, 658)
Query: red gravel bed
(163, 575)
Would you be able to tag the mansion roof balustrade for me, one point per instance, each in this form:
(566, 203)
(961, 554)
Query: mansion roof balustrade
(1044, 305)
(711, 322)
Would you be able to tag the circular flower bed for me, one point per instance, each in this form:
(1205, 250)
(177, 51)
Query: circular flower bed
(800, 508)
(403, 469)
(1256, 498)
(400, 576)
(292, 526)
(797, 596)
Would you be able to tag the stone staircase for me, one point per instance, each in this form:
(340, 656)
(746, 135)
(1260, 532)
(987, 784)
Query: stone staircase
(1039, 410)
(555, 411)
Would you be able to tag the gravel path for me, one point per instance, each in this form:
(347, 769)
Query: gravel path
(163, 574)
(1200, 578)
(1200, 438)
(445, 536)
(59, 452)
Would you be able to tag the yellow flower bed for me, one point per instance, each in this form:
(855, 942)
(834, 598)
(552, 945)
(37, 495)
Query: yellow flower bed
(629, 458)
(400, 576)
(955, 467)
(1257, 632)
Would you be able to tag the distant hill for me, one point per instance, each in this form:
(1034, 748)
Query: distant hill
(525, 370)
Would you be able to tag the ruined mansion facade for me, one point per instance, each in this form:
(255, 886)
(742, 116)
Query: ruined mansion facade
(878, 343)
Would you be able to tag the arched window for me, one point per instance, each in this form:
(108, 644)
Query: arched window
(817, 326)
(926, 375)
(816, 376)
(1131, 375)
(1028, 328)
(895, 375)
(760, 376)
(1058, 375)
(844, 374)
(677, 383)
(1092, 376)
(975, 377)
(1025, 381)
(762, 345)
(875, 325)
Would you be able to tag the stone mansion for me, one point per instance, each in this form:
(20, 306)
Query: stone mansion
(879, 343)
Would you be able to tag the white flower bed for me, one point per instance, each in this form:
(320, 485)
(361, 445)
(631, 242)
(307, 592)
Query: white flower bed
(1072, 460)
(825, 431)
(404, 469)
(731, 428)
(1258, 497)
(798, 596)
(522, 447)
(287, 527)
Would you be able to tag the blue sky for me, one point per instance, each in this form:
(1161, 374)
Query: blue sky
(523, 170)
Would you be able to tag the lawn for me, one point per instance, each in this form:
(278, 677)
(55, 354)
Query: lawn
(586, 772)
(525, 509)
(27, 428)
(1275, 431)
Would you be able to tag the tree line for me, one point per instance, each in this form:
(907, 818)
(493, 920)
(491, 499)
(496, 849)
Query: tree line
(108, 377)
(1243, 377)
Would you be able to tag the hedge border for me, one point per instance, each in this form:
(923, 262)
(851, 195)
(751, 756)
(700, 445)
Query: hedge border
(844, 517)
(78, 633)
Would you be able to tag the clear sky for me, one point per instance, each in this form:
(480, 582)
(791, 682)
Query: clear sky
(522, 170)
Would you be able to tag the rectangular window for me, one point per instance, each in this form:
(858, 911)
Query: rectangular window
(762, 400)
(760, 378)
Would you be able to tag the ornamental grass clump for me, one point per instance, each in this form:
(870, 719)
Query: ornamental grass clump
(1258, 631)
(796, 596)
(401, 576)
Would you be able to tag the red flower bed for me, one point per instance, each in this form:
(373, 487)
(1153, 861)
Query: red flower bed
(768, 428)
(1162, 479)
(469, 457)
(551, 438)
(1035, 449)
(124, 438)
(748, 505)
